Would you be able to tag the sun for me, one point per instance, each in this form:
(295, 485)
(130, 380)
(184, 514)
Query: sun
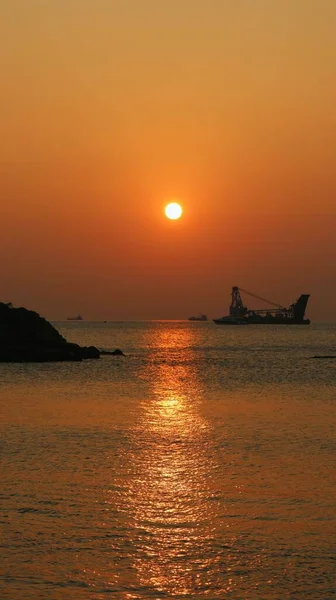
(173, 210)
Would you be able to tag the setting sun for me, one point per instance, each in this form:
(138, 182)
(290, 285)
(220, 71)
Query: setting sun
(173, 210)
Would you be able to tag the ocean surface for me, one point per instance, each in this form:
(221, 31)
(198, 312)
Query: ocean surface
(199, 466)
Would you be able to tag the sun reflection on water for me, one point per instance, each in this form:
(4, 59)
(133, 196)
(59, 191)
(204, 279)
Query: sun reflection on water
(171, 485)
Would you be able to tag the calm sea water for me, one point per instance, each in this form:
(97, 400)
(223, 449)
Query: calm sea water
(200, 466)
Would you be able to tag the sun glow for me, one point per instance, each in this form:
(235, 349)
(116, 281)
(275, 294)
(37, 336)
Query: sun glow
(173, 210)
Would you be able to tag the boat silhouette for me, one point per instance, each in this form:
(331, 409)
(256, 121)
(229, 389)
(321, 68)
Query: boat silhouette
(76, 318)
(200, 317)
(239, 314)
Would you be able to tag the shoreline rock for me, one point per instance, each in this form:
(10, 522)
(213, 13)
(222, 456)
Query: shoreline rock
(25, 336)
(116, 352)
(324, 356)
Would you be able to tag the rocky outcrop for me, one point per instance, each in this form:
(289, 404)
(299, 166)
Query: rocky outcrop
(116, 352)
(27, 337)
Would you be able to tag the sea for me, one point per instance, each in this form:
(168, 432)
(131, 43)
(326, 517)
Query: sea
(200, 465)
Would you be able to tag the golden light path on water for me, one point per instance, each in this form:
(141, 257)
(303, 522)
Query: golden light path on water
(172, 487)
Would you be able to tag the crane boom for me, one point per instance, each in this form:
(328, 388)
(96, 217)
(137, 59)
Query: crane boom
(260, 298)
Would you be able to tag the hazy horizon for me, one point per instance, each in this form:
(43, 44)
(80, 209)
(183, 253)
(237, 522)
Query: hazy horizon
(109, 110)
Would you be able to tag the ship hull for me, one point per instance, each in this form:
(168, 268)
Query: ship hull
(228, 322)
(262, 322)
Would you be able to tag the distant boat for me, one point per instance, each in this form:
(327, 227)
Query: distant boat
(76, 318)
(200, 317)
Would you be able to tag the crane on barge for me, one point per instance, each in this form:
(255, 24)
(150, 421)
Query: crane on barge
(277, 314)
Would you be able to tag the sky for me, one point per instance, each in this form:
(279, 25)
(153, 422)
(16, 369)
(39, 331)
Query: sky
(111, 108)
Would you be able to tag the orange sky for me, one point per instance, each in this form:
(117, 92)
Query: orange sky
(110, 108)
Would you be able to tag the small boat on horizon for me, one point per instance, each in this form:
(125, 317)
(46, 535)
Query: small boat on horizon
(76, 318)
(199, 317)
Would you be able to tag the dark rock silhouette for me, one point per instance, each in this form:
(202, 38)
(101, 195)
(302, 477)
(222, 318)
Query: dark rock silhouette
(116, 352)
(27, 337)
(324, 356)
